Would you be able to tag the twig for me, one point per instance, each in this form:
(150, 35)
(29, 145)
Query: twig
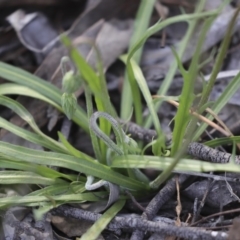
(215, 215)
(138, 223)
(221, 123)
(207, 175)
(199, 116)
(206, 153)
(137, 132)
(157, 202)
(231, 190)
(224, 74)
(194, 149)
(212, 225)
(138, 205)
(202, 203)
(157, 236)
(195, 208)
(29, 229)
(179, 204)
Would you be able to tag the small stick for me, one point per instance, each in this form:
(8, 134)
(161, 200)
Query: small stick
(194, 149)
(199, 116)
(202, 203)
(144, 225)
(137, 132)
(136, 203)
(206, 153)
(157, 202)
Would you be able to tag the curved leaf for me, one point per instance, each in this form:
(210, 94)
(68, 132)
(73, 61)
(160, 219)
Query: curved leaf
(87, 167)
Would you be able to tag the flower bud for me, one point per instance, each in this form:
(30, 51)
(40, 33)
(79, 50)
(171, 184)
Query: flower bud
(70, 82)
(69, 104)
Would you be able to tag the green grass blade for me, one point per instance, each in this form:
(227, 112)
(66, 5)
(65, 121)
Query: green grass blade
(57, 189)
(24, 78)
(25, 115)
(16, 89)
(45, 88)
(38, 169)
(160, 25)
(94, 139)
(148, 98)
(130, 92)
(29, 136)
(222, 141)
(97, 85)
(95, 230)
(192, 20)
(161, 163)
(229, 91)
(135, 96)
(87, 167)
(72, 150)
(219, 60)
(23, 177)
(40, 200)
(183, 118)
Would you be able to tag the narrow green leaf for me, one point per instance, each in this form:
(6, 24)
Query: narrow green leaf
(87, 167)
(192, 20)
(148, 98)
(41, 200)
(161, 163)
(95, 230)
(160, 25)
(96, 84)
(130, 92)
(73, 150)
(34, 168)
(229, 91)
(20, 177)
(57, 189)
(16, 89)
(94, 139)
(25, 115)
(54, 189)
(29, 136)
(45, 88)
(219, 60)
(131, 87)
(223, 141)
(183, 116)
